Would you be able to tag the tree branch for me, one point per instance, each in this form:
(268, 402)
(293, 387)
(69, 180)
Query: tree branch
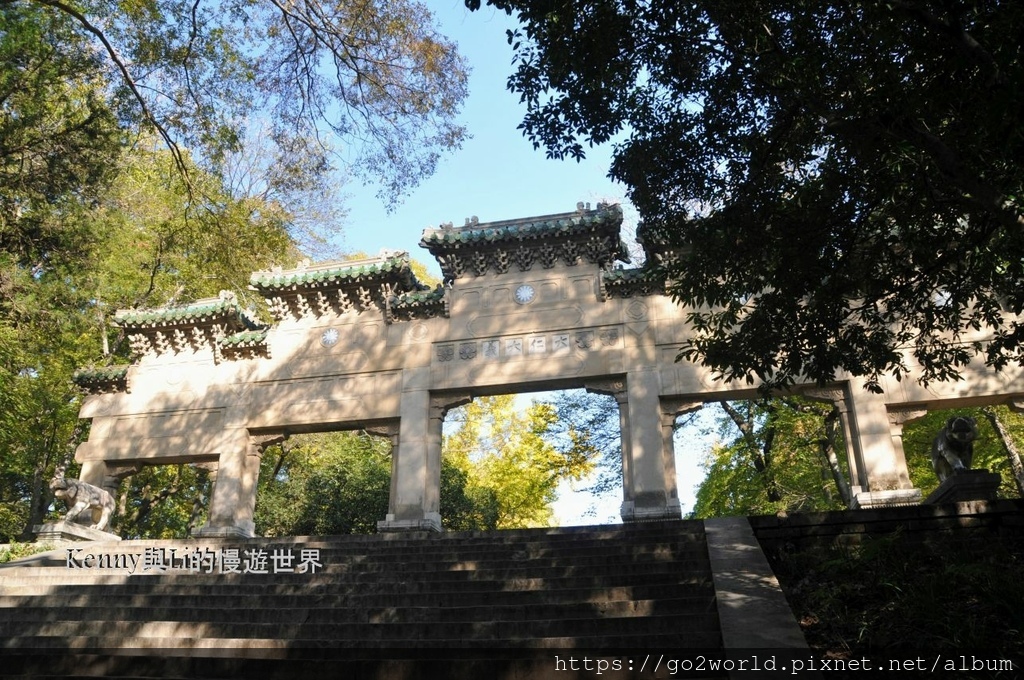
(179, 159)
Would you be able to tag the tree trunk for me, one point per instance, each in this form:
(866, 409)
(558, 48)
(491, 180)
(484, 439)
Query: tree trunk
(40, 498)
(760, 454)
(827, 445)
(1009, 446)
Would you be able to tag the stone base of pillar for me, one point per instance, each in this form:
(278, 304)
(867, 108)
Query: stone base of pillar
(630, 512)
(972, 485)
(208, 531)
(885, 499)
(68, 532)
(432, 522)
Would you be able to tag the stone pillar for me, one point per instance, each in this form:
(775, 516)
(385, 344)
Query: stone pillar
(416, 463)
(898, 417)
(670, 410)
(878, 474)
(97, 473)
(233, 498)
(648, 473)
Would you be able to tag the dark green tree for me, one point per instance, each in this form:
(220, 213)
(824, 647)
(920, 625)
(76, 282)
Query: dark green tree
(774, 455)
(837, 182)
(59, 140)
(339, 483)
(989, 451)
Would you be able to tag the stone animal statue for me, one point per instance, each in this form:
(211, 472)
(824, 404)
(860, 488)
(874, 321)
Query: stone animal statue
(953, 448)
(81, 496)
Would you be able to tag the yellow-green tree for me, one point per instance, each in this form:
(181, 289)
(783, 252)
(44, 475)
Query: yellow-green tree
(508, 455)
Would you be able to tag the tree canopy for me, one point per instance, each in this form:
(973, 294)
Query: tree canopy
(507, 457)
(836, 182)
(141, 143)
(373, 82)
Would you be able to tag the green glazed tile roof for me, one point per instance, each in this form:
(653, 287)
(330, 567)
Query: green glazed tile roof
(517, 230)
(203, 309)
(245, 338)
(638, 274)
(639, 281)
(419, 298)
(326, 274)
(102, 374)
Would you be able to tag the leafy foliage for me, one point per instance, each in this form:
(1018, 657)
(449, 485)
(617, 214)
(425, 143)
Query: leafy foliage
(59, 139)
(901, 595)
(16, 551)
(837, 181)
(166, 501)
(589, 422)
(374, 77)
(505, 456)
(339, 482)
(774, 456)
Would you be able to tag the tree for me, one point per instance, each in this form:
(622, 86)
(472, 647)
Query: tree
(505, 457)
(990, 452)
(774, 455)
(59, 140)
(589, 422)
(833, 182)
(134, 246)
(374, 77)
(338, 483)
(155, 251)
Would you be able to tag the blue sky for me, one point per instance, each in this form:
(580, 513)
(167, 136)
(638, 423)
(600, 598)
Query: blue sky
(498, 175)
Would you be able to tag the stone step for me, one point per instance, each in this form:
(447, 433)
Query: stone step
(426, 549)
(359, 631)
(275, 647)
(669, 529)
(205, 612)
(473, 598)
(542, 663)
(159, 596)
(411, 591)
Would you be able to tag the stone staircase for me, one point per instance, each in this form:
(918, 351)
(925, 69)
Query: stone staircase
(504, 604)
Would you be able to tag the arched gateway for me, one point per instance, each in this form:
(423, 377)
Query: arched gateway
(528, 304)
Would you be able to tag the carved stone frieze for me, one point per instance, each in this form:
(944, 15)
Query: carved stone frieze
(615, 387)
(901, 416)
(532, 345)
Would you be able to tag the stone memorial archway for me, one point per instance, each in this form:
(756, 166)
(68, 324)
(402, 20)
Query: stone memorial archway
(527, 304)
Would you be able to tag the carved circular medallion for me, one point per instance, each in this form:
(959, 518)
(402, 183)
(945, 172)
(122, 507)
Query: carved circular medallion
(525, 294)
(418, 332)
(329, 338)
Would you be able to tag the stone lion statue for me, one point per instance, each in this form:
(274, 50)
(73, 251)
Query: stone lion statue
(81, 496)
(953, 448)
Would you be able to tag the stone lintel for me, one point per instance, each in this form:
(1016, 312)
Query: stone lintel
(970, 485)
